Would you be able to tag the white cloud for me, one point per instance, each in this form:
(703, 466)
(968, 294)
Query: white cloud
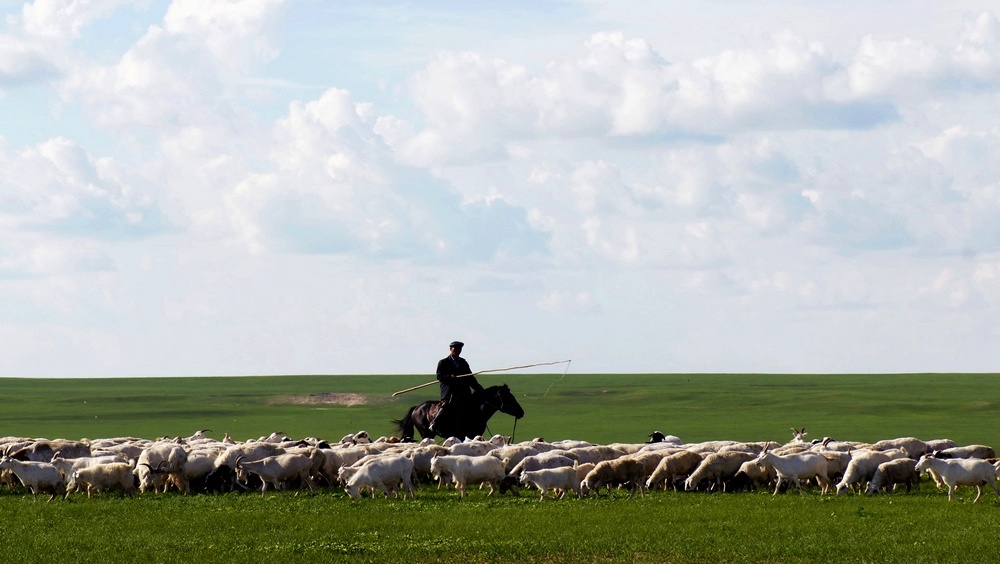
(62, 20)
(245, 176)
(559, 302)
(22, 62)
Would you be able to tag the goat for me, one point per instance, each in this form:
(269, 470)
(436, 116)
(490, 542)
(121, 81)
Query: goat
(961, 472)
(563, 478)
(100, 477)
(469, 469)
(796, 467)
(385, 473)
(550, 459)
(159, 463)
(275, 470)
(36, 476)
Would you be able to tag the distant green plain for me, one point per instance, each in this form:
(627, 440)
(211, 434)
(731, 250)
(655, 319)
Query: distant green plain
(600, 408)
(663, 527)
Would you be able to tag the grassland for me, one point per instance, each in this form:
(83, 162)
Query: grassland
(664, 527)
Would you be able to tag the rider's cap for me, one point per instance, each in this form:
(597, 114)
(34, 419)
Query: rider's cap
(456, 345)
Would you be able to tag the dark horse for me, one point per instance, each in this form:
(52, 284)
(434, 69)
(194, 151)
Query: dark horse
(470, 419)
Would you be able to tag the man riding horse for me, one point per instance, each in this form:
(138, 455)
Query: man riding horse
(457, 386)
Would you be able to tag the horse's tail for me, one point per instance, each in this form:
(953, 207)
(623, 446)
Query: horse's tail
(404, 426)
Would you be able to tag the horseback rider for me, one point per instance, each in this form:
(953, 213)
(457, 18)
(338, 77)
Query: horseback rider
(457, 386)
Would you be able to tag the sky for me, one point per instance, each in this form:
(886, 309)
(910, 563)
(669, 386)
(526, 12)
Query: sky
(243, 187)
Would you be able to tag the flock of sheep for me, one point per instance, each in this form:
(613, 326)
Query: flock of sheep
(358, 464)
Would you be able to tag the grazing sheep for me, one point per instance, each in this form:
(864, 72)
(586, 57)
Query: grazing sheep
(961, 472)
(752, 476)
(466, 470)
(940, 444)
(672, 468)
(914, 448)
(100, 477)
(899, 471)
(43, 450)
(969, 451)
(717, 469)
(421, 457)
(624, 472)
(658, 437)
(511, 455)
(863, 465)
(562, 479)
(836, 463)
(471, 448)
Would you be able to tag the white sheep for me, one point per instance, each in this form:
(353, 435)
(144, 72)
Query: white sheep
(471, 448)
(915, 448)
(899, 471)
(753, 476)
(717, 469)
(961, 472)
(968, 451)
(564, 479)
(466, 470)
(511, 455)
(863, 465)
(624, 471)
(672, 468)
(386, 472)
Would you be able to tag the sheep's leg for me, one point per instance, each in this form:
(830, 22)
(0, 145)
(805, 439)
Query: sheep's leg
(979, 492)
(951, 492)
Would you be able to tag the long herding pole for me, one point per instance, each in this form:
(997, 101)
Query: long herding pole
(481, 372)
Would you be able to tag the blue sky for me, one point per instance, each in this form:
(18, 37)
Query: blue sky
(276, 187)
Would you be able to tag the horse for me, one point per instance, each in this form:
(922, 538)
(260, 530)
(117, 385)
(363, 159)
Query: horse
(470, 419)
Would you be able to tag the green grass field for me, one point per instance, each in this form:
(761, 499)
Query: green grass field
(664, 527)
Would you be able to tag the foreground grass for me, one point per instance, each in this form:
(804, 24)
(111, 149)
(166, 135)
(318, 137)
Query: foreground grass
(664, 527)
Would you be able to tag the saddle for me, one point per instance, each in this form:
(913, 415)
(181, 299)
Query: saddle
(434, 409)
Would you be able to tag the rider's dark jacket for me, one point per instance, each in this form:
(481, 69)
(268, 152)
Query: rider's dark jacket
(453, 388)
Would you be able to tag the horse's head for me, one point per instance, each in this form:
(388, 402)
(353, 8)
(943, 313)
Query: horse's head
(506, 402)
